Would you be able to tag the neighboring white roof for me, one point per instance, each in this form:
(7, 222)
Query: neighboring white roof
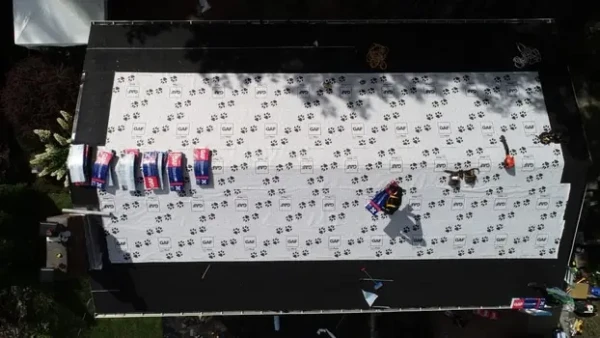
(55, 22)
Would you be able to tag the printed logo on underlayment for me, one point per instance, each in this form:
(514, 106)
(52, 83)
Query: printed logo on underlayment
(401, 129)
(108, 204)
(351, 165)
(183, 129)
(133, 91)
(418, 242)
(487, 128)
(197, 204)
(303, 91)
(218, 167)
(314, 129)
(415, 203)
(428, 90)
(207, 242)
(261, 91)
(346, 91)
(387, 90)
(459, 241)
(528, 163)
(218, 92)
(471, 91)
(458, 203)
(250, 242)
(270, 129)
(175, 92)
(329, 204)
(542, 203)
(285, 204)
(440, 165)
(262, 167)
(164, 243)
(541, 240)
(444, 128)
(121, 244)
(334, 241)
(512, 91)
(138, 129)
(500, 203)
(241, 204)
(292, 241)
(396, 165)
(529, 127)
(226, 129)
(306, 166)
(376, 241)
(153, 205)
(500, 240)
(485, 164)
(358, 129)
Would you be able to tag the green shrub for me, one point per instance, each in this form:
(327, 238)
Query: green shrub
(53, 161)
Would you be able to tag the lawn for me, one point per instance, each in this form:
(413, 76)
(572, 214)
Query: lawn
(130, 328)
(59, 195)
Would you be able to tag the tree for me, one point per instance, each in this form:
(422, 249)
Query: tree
(53, 160)
(21, 208)
(36, 88)
(27, 307)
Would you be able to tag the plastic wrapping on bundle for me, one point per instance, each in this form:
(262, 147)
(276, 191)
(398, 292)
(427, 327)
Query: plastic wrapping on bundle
(77, 164)
(126, 168)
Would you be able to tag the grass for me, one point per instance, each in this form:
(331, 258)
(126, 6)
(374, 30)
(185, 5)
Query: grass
(61, 199)
(55, 190)
(130, 328)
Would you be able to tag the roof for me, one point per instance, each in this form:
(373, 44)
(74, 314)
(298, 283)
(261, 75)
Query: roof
(297, 158)
(55, 22)
(190, 53)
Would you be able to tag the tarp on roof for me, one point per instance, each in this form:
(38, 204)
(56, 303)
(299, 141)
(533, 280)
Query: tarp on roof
(39, 23)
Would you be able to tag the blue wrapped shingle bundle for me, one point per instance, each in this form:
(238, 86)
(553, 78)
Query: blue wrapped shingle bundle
(101, 168)
(202, 166)
(387, 200)
(152, 167)
(175, 171)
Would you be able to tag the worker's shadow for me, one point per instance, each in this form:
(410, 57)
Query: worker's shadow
(405, 226)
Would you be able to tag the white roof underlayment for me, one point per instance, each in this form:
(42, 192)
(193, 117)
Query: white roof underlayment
(39, 23)
(296, 157)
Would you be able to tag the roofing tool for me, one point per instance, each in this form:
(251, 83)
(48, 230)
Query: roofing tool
(377, 284)
(469, 176)
(387, 200)
(548, 137)
(509, 160)
(376, 56)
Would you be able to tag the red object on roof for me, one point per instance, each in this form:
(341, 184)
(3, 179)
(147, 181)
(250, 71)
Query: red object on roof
(509, 162)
